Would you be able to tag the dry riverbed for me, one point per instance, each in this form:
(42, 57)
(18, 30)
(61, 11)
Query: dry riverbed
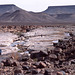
(37, 39)
(41, 51)
(43, 38)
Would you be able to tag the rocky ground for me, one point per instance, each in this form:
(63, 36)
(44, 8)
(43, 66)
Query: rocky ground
(42, 51)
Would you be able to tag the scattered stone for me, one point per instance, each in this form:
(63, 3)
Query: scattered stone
(59, 61)
(34, 71)
(8, 62)
(48, 72)
(37, 54)
(15, 63)
(43, 53)
(25, 67)
(41, 65)
(1, 65)
(72, 61)
(18, 71)
(62, 73)
(53, 56)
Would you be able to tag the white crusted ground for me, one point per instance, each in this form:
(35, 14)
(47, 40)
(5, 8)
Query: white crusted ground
(43, 38)
(5, 43)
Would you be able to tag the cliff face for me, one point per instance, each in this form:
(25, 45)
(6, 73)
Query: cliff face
(65, 14)
(8, 8)
(60, 10)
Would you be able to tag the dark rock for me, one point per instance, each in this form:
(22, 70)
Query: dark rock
(11, 62)
(43, 53)
(8, 62)
(28, 72)
(37, 54)
(72, 61)
(48, 72)
(18, 71)
(15, 63)
(55, 44)
(25, 58)
(25, 67)
(34, 71)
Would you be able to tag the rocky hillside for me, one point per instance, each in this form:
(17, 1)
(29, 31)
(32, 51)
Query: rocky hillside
(8, 8)
(62, 13)
(24, 16)
(54, 14)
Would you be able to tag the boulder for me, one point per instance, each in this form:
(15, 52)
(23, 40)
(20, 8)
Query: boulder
(25, 67)
(58, 50)
(73, 61)
(24, 58)
(37, 54)
(48, 72)
(34, 71)
(43, 53)
(8, 62)
(52, 56)
(15, 63)
(18, 72)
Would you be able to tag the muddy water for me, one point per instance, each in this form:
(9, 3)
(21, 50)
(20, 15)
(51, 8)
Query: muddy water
(43, 38)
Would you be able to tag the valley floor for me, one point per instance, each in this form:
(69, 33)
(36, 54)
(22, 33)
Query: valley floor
(31, 40)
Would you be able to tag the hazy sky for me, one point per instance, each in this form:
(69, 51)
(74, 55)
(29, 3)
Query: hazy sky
(37, 5)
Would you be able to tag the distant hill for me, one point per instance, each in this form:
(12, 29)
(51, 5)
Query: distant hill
(60, 9)
(8, 8)
(24, 16)
(53, 14)
(62, 13)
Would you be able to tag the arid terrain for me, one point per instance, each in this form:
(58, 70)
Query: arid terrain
(37, 49)
(53, 14)
(41, 43)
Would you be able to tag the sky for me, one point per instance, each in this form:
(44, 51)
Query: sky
(37, 5)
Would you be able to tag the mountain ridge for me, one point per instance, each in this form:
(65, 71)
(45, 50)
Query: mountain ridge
(8, 8)
(60, 9)
(53, 14)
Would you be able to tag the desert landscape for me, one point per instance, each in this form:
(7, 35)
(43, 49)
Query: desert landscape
(37, 43)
